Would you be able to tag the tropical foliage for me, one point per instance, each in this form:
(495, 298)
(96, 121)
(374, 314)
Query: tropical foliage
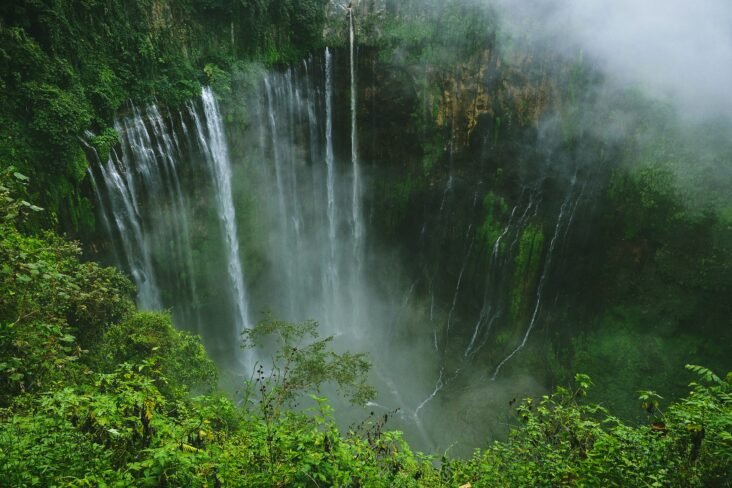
(96, 394)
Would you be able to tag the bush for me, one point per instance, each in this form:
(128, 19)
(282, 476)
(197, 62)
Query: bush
(149, 338)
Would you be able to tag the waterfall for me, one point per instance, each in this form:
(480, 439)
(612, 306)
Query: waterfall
(331, 267)
(439, 385)
(169, 147)
(120, 176)
(273, 220)
(358, 226)
(221, 169)
(491, 308)
(146, 195)
(284, 221)
(357, 217)
(177, 200)
(310, 198)
(106, 224)
(168, 202)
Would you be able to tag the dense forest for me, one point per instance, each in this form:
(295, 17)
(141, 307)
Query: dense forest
(376, 243)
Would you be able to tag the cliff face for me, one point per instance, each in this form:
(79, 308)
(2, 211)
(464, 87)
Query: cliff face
(510, 177)
(452, 58)
(485, 87)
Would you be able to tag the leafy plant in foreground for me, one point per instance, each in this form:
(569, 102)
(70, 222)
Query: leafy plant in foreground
(302, 363)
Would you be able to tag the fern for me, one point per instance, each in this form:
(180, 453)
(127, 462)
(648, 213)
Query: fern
(706, 374)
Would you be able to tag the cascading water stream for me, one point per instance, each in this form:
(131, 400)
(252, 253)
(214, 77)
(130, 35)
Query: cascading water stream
(285, 216)
(169, 146)
(221, 168)
(494, 296)
(357, 217)
(117, 175)
(486, 316)
(104, 212)
(310, 251)
(540, 287)
(358, 226)
(147, 206)
(332, 278)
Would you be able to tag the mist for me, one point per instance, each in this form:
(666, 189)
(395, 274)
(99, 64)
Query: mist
(675, 51)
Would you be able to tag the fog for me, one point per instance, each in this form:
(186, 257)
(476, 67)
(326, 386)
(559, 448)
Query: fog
(677, 51)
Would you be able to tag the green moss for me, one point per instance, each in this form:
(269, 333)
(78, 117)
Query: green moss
(497, 130)
(104, 142)
(78, 165)
(526, 269)
(495, 208)
(433, 152)
(218, 79)
(396, 197)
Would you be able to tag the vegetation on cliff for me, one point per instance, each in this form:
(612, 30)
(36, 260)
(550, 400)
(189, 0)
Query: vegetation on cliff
(641, 272)
(68, 67)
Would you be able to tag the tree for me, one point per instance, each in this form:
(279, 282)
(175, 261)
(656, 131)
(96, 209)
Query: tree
(301, 363)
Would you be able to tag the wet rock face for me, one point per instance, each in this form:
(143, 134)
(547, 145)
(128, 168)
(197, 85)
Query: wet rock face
(387, 104)
(434, 68)
(482, 88)
(469, 187)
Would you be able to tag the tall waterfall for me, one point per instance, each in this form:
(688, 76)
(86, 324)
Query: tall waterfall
(358, 226)
(171, 200)
(148, 193)
(218, 157)
(357, 223)
(312, 247)
(331, 281)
